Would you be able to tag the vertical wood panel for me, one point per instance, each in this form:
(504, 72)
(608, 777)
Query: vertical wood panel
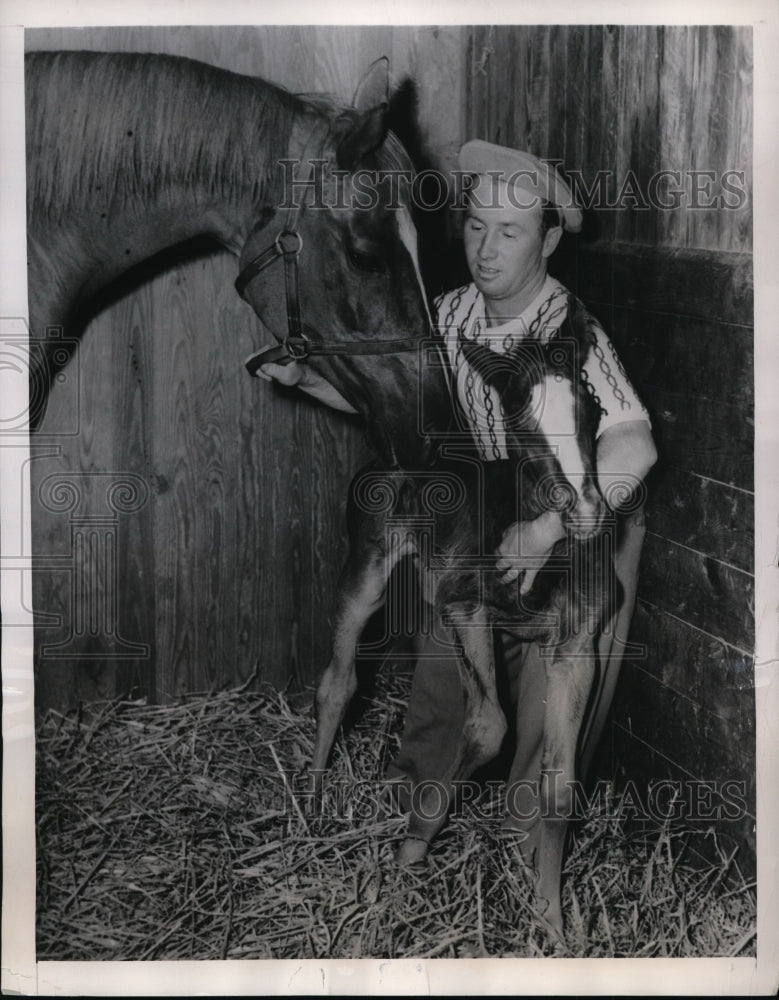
(638, 123)
(606, 156)
(215, 487)
(175, 462)
(581, 63)
(131, 369)
(737, 228)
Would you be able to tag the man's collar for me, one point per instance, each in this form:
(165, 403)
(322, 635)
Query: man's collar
(529, 313)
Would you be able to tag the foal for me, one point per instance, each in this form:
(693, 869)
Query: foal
(464, 506)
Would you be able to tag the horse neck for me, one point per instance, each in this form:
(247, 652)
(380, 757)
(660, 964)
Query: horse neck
(93, 220)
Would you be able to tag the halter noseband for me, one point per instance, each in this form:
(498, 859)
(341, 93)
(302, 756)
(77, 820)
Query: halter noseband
(296, 346)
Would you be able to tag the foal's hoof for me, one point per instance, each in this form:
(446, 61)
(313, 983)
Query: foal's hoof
(314, 781)
(412, 851)
(553, 925)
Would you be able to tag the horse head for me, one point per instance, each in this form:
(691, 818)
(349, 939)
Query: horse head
(349, 298)
(551, 421)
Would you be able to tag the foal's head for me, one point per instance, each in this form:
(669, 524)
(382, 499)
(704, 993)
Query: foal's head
(551, 422)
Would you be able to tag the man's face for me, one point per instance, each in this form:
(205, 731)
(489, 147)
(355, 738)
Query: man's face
(504, 247)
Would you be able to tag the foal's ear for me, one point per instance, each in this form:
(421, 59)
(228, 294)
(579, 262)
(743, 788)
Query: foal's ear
(367, 134)
(373, 88)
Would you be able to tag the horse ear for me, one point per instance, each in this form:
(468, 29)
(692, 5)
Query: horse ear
(373, 88)
(365, 135)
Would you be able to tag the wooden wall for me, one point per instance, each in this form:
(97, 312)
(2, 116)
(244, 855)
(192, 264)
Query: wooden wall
(674, 288)
(229, 555)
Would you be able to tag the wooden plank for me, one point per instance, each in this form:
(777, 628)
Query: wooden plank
(132, 354)
(696, 665)
(638, 154)
(699, 589)
(738, 112)
(710, 360)
(553, 147)
(435, 59)
(606, 158)
(518, 129)
(702, 743)
(710, 285)
(701, 224)
(702, 514)
(581, 59)
(343, 54)
(710, 438)
(216, 370)
(720, 80)
(675, 123)
(173, 447)
(540, 87)
(626, 758)
(476, 94)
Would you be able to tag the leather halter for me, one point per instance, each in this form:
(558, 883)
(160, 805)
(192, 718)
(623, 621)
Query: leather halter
(296, 346)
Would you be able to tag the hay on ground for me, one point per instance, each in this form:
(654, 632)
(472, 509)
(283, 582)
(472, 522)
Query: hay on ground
(182, 832)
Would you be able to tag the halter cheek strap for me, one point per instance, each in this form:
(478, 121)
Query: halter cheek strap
(287, 245)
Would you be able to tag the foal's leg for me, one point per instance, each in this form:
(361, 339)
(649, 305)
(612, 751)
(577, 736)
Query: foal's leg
(361, 592)
(569, 679)
(482, 733)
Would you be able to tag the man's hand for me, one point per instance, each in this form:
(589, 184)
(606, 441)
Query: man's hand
(527, 545)
(290, 375)
(305, 378)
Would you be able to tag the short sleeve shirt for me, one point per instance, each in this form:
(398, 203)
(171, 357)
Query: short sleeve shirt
(461, 314)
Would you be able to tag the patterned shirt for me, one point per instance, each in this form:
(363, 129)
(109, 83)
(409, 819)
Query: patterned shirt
(461, 314)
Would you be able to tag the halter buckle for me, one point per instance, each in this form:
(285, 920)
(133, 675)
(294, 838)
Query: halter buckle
(297, 347)
(283, 246)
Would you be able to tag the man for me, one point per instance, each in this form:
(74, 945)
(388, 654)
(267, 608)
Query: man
(516, 211)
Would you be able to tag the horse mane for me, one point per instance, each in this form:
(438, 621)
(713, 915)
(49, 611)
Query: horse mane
(118, 127)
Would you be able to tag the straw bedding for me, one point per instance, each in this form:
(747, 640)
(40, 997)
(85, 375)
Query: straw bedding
(181, 832)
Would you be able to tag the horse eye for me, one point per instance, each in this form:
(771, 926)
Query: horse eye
(366, 261)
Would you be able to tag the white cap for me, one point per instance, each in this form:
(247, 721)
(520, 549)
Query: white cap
(524, 171)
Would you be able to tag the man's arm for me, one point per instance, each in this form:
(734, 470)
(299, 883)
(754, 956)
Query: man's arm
(309, 381)
(625, 454)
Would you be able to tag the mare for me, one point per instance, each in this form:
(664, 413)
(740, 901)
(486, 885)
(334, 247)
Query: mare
(464, 506)
(131, 154)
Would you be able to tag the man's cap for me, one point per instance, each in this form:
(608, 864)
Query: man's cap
(525, 175)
